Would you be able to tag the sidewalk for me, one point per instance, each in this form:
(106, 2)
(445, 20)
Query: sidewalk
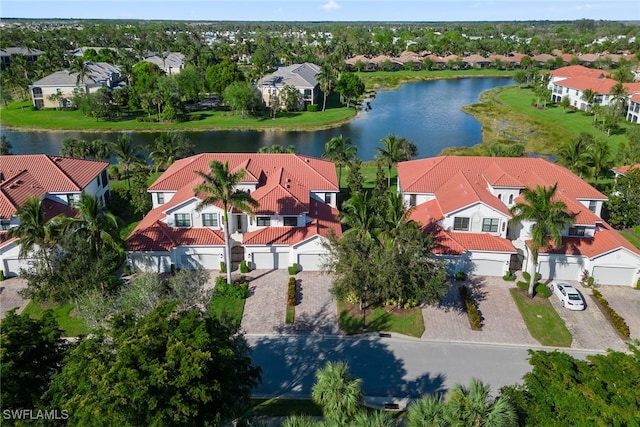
(9, 297)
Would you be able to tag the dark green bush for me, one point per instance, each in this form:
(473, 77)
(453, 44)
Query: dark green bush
(223, 267)
(291, 292)
(616, 320)
(471, 309)
(542, 289)
(509, 276)
(312, 108)
(244, 268)
(293, 269)
(460, 275)
(1, 275)
(527, 276)
(231, 290)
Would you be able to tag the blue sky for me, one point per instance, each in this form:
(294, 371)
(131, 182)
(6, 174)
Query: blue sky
(325, 10)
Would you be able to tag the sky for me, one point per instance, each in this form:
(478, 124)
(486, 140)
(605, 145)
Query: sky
(325, 10)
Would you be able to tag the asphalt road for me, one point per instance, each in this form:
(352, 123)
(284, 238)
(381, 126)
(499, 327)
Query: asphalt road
(397, 368)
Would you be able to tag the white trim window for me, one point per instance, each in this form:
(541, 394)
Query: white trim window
(461, 223)
(209, 220)
(182, 220)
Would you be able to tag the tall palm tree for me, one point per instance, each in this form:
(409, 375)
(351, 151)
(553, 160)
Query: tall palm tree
(428, 411)
(598, 155)
(219, 186)
(327, 80)
(359, 215)
(473, 406)
(395, 149)
(34, 230)
(337, 392)
(572, 154)
(549, 217)
(340, 151)
(94, 223)
(127, 154)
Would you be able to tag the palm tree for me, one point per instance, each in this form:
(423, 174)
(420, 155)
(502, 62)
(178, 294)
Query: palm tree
(34, 230)
(395, 216)
(337, 392)
(82, 70)
(127, 154)
(219, 186)
(395, 149)
(589, 96)
(428, 411)
(169, 147)
(340, 151)
(327, 80)
(572, 154)
(358, 214)
(373, 419)
(95, 224)
(599, 157)
(549, 217)
(474, 407)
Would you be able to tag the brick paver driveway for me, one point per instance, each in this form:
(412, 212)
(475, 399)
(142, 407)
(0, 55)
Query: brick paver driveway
(9, 297)
(265, 308)
(502, 322)
(589, 328)
(626, 302)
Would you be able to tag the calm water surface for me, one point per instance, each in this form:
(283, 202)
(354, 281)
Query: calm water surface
(427, 113)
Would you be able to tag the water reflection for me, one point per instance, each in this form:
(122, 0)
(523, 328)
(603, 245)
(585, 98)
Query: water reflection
(427, 113)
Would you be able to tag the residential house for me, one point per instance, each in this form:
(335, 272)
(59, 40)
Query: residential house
(57, 89)
(622, 170)
(170, 62)
(300, 76)
(464, 202)
(57, 181)
(633, 112)
(297, 196)
(30, 54)
(574, 88)
(574, 71)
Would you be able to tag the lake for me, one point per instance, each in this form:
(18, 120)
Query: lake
(426, 113)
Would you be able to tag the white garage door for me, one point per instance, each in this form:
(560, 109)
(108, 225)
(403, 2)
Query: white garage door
(560, 270)
(201, 261)
(613, 275)
(270, 260)
(151, 263)
(310, 262)
(488, 267)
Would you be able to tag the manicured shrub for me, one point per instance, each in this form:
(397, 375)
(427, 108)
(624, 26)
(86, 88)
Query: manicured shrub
(231, 290)
(293, 269)
(616, 320)
(460, 275)
(291, 292)
(472, 311)
(223, 267)
(542, 290)
(244, 268)
(1, 275)
(527, 276)
(352, 298)
(509, 276)
(312, 108)
(127, 270)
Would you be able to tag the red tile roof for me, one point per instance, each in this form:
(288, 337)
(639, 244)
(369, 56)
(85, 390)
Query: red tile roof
(578, 70)
(286, 181)
(624, 169)
(598, 86)
(604, 241)
(457, 243)
(34, 175)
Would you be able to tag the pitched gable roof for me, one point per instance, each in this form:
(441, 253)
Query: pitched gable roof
(578, 70)
(34, 175)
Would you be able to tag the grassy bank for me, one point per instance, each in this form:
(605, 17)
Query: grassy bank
(507, 116)
(385, 80)
(12, 116)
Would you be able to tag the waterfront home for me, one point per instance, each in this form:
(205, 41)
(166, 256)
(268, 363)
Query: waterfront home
(300, 76)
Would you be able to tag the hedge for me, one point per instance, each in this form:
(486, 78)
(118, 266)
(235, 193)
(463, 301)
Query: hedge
(471, 309)
(616, 320)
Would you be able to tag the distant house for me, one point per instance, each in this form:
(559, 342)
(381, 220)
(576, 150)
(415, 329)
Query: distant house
(464, 202)
(297, 196)
(57, 181)
(170, 62)
(30, 54)
(300, 76)
(574, 71)
(633, 112)
(57, 89)
(622, 170)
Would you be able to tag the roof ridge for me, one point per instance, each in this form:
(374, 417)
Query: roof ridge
(308, 165)
(52, 158)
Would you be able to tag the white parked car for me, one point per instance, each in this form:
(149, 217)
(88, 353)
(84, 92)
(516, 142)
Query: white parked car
(568, 295)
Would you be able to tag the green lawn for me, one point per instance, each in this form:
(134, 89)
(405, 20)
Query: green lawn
(70, 325)
(12, 116)
(632, 235)
(228, 308)
(406, 322)
(542, 320)
(379, 80)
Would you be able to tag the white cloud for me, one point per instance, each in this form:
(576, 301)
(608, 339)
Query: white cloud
(331, 5)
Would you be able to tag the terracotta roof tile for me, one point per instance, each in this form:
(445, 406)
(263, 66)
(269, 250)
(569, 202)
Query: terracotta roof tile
(624, 169)
(605, 240)
(578, 70)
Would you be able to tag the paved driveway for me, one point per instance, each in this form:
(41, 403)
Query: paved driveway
(9, 297)
(265, 309)
(589, 328)
(626, 302)
(502, 322)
